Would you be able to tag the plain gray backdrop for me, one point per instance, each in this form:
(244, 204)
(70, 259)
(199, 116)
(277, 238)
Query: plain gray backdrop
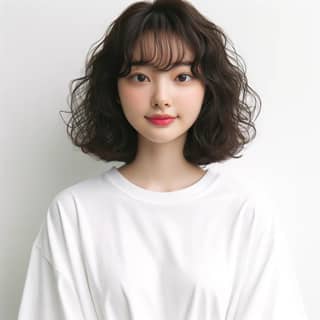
(43, 46)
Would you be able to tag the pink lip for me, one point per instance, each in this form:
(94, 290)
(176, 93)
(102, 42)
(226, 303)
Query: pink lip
(161, 116)
(161, 122)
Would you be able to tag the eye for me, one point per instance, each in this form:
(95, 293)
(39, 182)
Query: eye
(183, 75)
(139, 76)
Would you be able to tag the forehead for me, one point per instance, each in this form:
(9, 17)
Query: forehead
(161, 50)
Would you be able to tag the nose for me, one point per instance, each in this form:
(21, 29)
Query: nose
(161, 94)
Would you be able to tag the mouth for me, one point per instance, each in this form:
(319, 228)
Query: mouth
(161, 116)
(161, 121)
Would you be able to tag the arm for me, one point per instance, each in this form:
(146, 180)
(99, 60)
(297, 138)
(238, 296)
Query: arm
(268, 288)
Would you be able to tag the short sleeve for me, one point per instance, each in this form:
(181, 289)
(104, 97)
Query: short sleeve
(268, 288)
(48, 293)
(56, 285)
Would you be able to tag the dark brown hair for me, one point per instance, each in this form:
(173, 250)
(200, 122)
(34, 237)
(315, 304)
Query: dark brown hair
(98, 125)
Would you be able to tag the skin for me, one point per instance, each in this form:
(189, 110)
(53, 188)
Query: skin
(159, 164)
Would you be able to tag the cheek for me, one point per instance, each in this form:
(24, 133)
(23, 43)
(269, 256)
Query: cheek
(130, 95)
(133, 102)
(191, 97)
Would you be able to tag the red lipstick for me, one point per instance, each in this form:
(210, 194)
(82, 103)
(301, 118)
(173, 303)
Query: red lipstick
(161, 120)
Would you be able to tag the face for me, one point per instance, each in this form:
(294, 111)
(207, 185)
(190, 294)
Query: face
(147, 91)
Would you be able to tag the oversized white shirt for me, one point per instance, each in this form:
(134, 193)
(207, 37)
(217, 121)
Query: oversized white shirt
(109, 249)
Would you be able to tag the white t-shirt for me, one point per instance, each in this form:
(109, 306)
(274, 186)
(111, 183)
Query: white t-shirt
(109, 249)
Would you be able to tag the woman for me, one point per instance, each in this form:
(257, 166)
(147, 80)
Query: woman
(160, 237)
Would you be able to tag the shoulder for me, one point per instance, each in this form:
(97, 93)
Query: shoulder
(65, 209)
(66, 204)
(82, 191)
(230, 184)
(254, 200)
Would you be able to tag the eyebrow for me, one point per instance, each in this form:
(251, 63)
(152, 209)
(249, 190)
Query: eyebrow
(175, 65)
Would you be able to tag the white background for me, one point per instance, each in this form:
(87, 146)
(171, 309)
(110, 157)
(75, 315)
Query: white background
(43, 46)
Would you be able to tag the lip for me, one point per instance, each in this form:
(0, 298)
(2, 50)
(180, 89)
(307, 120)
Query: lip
(161, 116)
(161, 121)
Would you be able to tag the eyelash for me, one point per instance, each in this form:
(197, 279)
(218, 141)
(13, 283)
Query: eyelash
(136, 74)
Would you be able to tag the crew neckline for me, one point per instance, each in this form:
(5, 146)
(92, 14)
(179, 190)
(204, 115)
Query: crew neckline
(185, 194)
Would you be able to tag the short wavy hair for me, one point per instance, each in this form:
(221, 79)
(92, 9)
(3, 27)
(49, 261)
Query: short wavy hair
(225, 123)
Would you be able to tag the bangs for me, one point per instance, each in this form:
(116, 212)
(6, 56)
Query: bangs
(160, 37)
(161, 50)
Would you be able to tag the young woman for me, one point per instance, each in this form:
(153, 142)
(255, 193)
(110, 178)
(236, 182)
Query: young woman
(161, 237)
